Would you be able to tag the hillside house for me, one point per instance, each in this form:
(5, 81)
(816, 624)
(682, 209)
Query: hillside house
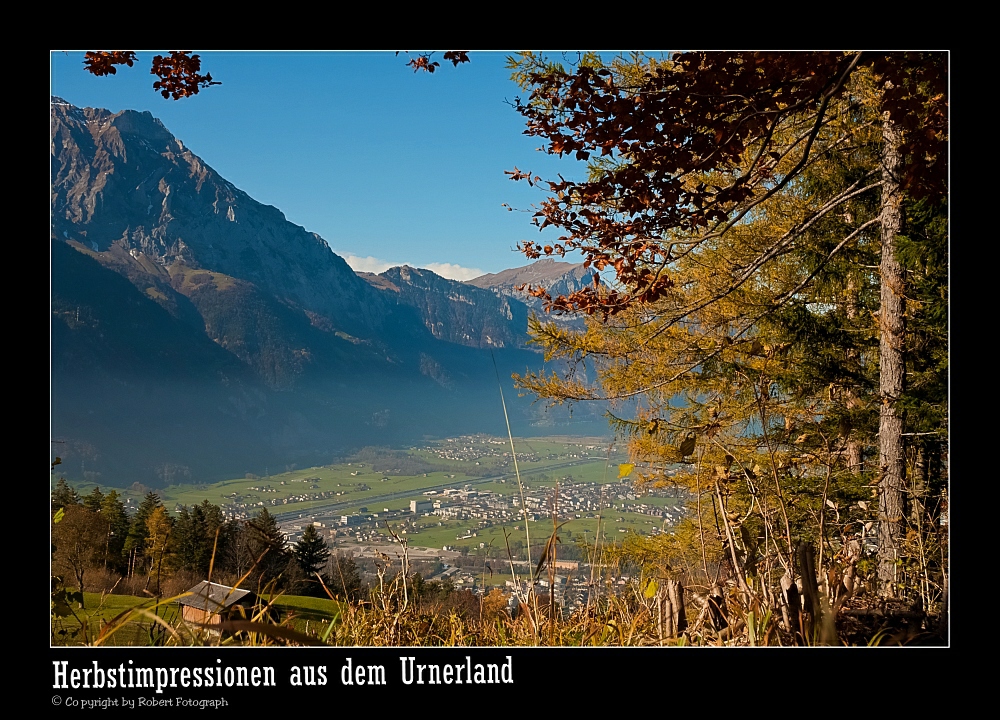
(210, 603)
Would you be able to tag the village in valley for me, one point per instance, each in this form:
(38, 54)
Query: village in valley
(462, 521)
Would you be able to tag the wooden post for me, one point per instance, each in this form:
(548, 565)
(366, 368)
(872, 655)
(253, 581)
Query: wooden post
(672, 608)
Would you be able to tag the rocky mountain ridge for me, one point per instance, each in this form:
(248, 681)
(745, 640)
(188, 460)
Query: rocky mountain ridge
(239, 337)
(557, 278)
(455, 311)
(122, 180)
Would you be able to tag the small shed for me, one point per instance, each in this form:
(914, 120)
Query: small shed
(210, 603)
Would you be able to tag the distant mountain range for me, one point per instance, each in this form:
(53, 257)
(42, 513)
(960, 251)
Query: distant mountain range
(558, 278)
(197, 333)
(455, 311)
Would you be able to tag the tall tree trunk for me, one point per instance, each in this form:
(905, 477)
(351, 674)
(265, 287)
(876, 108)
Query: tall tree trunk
(892, 466)
(854, 456)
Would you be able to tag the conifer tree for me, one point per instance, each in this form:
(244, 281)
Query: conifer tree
(196, 529)
(214, 518)
(64, 495)
(268, 548)
(113, 512)
(93, 501)
(311, 555)
(136, 545)
(311, 551)
(189, 540)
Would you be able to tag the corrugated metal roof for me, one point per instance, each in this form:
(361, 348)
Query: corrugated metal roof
(212, 596)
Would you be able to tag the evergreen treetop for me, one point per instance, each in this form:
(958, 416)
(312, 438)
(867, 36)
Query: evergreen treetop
(311, 551)
(64, 495)
(94, 500)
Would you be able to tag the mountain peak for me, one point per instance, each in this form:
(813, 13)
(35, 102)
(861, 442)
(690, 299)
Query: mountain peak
(123, 180)
(558, 278)
(543, 272)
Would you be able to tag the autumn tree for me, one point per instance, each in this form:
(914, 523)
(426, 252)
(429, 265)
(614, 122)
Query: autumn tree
(136, 546)
(160, 543)
(741, 388)
(79, 540)
(712, 190)
(179, 73)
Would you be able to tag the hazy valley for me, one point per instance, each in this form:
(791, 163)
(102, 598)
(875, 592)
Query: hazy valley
(198, 334)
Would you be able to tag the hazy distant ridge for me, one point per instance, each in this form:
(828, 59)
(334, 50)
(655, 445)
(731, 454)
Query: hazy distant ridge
(196, 330)
(558, 278)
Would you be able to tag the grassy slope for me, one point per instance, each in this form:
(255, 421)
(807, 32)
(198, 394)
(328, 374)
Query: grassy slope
(142, 630)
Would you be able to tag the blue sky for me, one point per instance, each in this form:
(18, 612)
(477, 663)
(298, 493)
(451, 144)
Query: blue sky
(389, 166)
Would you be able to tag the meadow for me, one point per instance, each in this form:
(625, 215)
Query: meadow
(347, 486)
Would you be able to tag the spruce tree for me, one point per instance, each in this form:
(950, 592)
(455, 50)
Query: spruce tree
(113, 512)
(214, 518)
(218, 533)
(311, 551)
(196, 531)
(267, 543)
(64, 495)
(188, 536)
(93, 501)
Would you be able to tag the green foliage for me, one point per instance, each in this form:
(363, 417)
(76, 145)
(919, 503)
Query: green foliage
(112, 509)
(397, 462)
(923, 250)
(64, 495)
(95, 500)
(268, 548)
(136, 543)
(311, 555)
(62, 599)
(196, 531)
